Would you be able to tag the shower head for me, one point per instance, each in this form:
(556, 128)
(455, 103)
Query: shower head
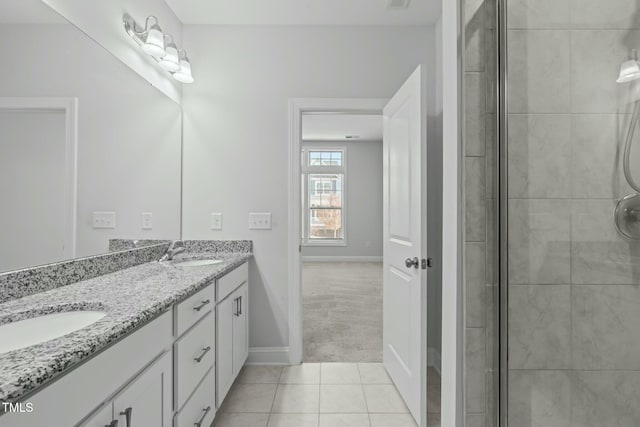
(630, 69)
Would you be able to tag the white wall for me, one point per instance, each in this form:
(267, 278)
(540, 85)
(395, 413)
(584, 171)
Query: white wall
(102, 21)
(129, 134)
(363, 204)
(32, 188)
(236, 129)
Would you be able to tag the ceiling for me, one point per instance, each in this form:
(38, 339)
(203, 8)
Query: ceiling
(28, 12)
(304, 12)
(335, 127)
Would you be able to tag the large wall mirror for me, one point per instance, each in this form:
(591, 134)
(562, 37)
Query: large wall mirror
(89, 150)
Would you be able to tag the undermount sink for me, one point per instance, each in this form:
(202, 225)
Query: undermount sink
(36, 330)
(198, 262)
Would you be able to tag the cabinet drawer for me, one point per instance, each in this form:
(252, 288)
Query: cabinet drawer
(194, 355)
(193, 309)
(227, 283)
(201, 407)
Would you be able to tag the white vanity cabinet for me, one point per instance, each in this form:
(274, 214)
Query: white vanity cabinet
(232, 328)
(146, 401)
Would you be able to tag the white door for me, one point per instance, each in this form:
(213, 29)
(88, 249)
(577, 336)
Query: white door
(240, 328)
(405, 292)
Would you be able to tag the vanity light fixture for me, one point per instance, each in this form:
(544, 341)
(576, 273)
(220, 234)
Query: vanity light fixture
(630, 69)
(160, 46)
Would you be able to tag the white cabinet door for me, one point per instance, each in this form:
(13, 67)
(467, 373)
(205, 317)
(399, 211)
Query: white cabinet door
(404, 231)
(224, 347)
(147, 400)
(240, 328)
(103, 418)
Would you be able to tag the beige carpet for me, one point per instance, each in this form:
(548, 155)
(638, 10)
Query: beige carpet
(342, 306)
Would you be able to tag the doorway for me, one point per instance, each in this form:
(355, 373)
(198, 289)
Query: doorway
(342, 214)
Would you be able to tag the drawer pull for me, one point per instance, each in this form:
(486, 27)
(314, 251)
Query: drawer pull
(206, 411)
(127, 413)
(113, 423)
(204, 352)
(201, 306)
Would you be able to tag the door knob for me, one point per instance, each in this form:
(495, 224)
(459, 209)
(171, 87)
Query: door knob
(415, 262)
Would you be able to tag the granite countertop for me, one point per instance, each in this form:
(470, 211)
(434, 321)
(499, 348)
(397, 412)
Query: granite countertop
(130, 297)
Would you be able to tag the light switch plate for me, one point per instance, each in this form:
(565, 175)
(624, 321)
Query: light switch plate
(104, 220)
(216, 221)
(260, 221)
(147, 221)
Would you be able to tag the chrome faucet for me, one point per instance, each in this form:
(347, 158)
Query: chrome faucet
(175, 247)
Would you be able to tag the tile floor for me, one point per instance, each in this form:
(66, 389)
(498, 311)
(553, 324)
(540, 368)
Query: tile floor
(320, 395)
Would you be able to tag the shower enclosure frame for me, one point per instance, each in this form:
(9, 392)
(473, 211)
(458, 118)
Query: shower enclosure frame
(502, 210)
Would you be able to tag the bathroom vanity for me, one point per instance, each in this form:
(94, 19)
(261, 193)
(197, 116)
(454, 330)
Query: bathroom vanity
(172, 342)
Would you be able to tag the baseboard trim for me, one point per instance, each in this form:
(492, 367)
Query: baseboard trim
(268, 356)
(341, 259)
(434, 359)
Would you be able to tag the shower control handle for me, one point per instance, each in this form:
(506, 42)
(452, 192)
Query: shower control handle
(415, 262)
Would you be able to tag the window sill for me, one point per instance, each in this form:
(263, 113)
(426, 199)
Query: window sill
(325, 243)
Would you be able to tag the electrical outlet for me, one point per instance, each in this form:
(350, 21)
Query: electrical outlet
(260, 221)
(147, 221)
(216, 221)
(104, 220)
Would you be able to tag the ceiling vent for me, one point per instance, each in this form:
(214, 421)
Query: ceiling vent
(398, 4)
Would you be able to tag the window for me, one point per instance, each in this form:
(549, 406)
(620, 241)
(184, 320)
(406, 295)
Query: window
(323, 185)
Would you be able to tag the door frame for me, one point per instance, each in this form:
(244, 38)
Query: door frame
(70, 108)
(297, 107)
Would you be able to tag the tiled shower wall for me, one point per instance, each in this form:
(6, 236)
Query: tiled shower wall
(479, 147)
(574, 294)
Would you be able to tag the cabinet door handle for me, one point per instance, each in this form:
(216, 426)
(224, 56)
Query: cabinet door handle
(240, 305)
(113, 423)
(201, 306)
(128, 413)
(204, 351)
(206, 411)
(235, 309)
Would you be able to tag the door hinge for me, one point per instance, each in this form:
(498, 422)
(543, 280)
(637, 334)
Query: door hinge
(427, 263)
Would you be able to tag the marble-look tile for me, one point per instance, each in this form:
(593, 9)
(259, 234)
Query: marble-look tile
(474, 117)
(293, 420)
(475, 293)
(339, 373)
(491, 144)
(539, 156)
(540, 399)
(475, 215)
(595, 62)
(297, 398)
(605, 327)
(475, 353)
(383, 399)
(344, 420)
(250, 398)
(599, 256)
(336, 399)
(538, 14)
(251, 374)
(373, 373)
(305, 373)
(606, 398)
(595, 169)
(540, 327)
(474, 35)
(227, 419)
(475, 420)
(539, 241)
(615, 14)
(539, 71)
(392, 420)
